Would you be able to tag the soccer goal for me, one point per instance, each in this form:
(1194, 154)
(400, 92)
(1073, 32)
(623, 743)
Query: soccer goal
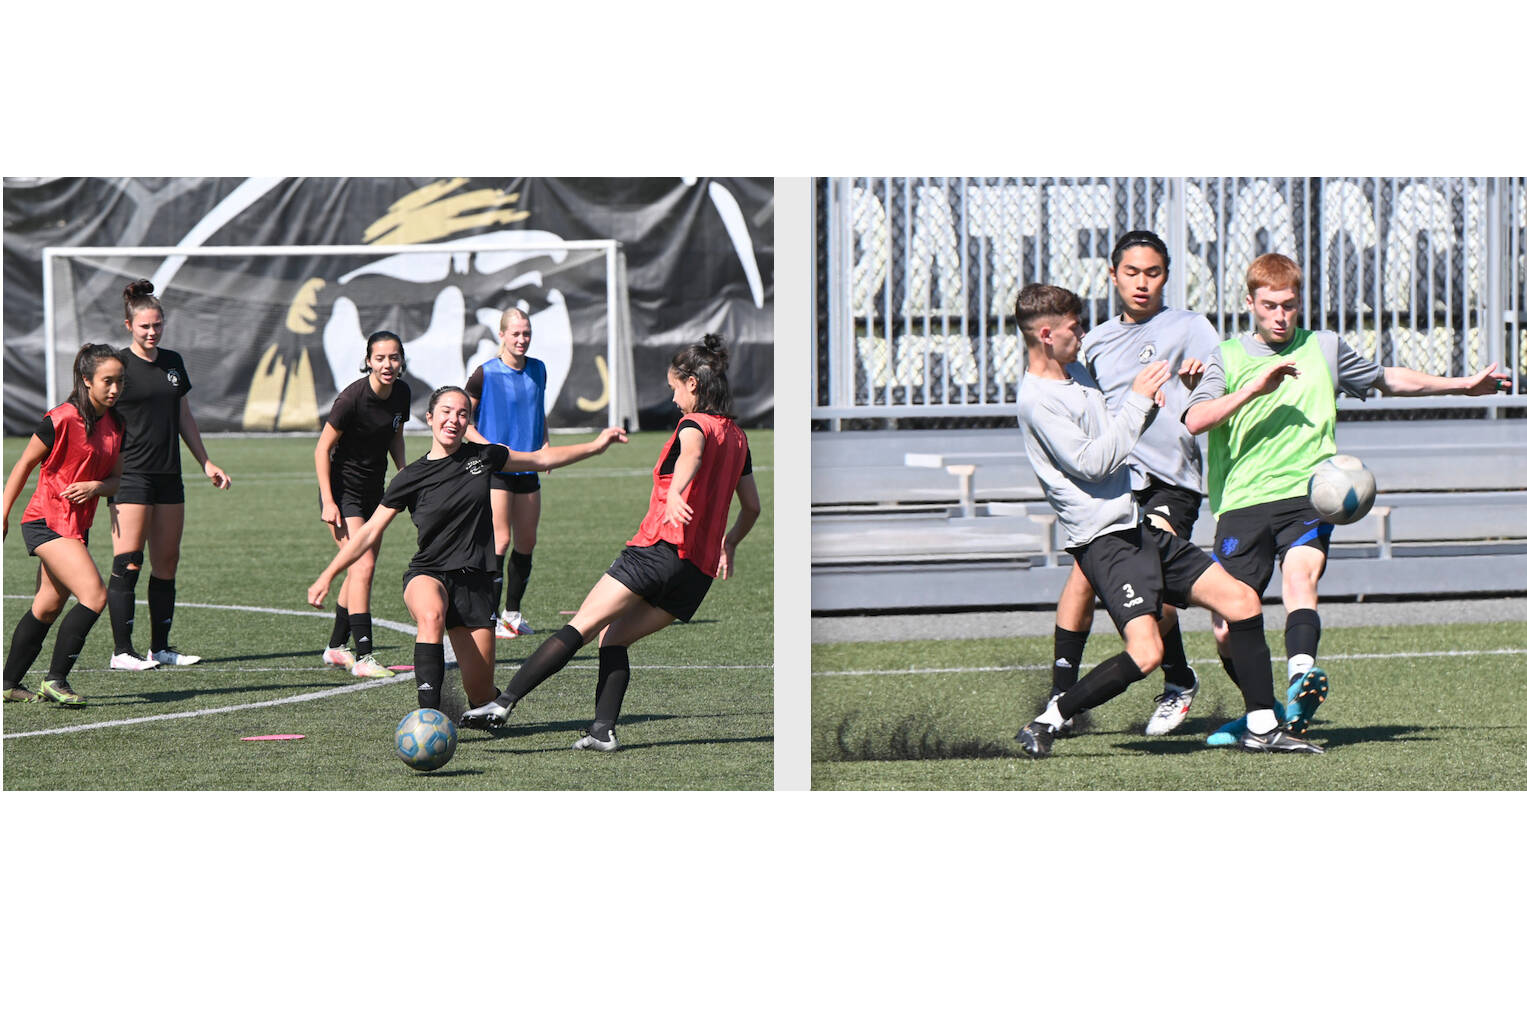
(270, 334)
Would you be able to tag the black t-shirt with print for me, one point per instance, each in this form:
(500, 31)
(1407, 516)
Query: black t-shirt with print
(451, 507)
(150, 410)
(366, 424)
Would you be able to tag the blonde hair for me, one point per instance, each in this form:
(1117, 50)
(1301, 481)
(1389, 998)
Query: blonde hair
(503, 320)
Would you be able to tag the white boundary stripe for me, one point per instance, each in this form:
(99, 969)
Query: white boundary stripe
(316, 694)
(1192, 661)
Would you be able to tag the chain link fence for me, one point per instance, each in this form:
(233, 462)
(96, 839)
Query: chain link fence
(918, 276)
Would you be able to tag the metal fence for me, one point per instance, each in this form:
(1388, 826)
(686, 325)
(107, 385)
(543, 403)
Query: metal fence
(918, 276)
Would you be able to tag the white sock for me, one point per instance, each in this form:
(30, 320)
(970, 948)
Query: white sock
(1299, 665)
(1052, 716)
(1261, 722)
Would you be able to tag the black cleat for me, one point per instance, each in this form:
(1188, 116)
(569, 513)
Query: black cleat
(1036, 739)
(1280, 740)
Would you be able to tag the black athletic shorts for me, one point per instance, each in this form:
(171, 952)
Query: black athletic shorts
(518, 484)
(150, 490)
(677, 586)
(469, 597)
(1249, 541)
(35, 533)
(353, 503)
(1177, 505)
(1134, 571)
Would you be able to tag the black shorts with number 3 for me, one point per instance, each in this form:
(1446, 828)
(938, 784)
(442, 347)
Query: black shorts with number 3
(1248, 541)
(1134, 571)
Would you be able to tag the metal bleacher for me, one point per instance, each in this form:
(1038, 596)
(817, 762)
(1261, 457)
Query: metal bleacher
(907, 520)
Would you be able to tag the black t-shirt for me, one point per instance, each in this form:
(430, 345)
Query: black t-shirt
(150, 410)
(451, 507)
(366, 424)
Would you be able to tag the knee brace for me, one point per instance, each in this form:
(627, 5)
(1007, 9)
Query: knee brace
(120, 564)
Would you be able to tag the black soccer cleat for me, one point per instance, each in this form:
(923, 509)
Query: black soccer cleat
(1036, 739)
(1280, 741)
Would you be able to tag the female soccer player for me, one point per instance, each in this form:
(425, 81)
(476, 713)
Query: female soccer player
(448, 585)
(365, 425)
(667, 568)
(509, 403)
(79, 445)
(150, 504)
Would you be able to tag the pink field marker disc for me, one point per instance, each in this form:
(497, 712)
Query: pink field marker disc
(248, 739)
(401, 668)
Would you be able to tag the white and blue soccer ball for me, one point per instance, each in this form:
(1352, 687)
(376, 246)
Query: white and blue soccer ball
(1342, 490)
(425, 739)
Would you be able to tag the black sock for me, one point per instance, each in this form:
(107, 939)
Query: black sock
(1102, 684)
(122, 603)
(1230, 670)
(1174, 660)
(26, 645)
(429, 673)
(161, 612)
(1253, 663)
(71, 640)
(360, 629)
(555, 652)
(340, 635)
(498, 582)
(516, 577)
(1301, 632)
(614, 677)
(1069, 645)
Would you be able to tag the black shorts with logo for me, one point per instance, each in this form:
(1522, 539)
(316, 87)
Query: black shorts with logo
(469, 597)
(1248, 541)
(150, 490)
(1173, 503)
(1134, 571)
(516, 484)
(677, 586)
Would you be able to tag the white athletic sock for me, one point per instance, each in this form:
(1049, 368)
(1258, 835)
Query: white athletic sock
(1052, 716)
(1299, 665)
(1262, 722)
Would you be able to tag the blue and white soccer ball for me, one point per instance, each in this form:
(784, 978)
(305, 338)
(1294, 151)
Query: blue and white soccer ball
(1342, 490)
(426, 739)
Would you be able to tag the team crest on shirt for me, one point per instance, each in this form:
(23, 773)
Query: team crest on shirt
(475, 466)
(1147, 353)
(397, 419)
(173, 378)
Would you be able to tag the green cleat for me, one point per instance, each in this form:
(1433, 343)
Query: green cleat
(1306, 693)
(19, 694)
(59, 690)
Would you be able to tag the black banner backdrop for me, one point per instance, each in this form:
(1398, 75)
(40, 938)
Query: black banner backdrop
(269, 341)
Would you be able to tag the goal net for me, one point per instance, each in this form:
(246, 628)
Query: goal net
(271, 334)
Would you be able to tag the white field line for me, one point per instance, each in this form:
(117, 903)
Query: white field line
(1192, 661)
(317, 694)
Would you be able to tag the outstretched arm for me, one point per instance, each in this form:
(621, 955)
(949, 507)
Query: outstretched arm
(1201, 417)
(546, 458)
(368, 537)
(1398, 381)
(33, 455)
(749, 507)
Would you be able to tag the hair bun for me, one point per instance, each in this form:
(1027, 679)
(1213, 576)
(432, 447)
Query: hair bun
(713, 341)
(142, 288)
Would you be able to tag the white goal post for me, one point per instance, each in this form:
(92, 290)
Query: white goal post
(62, 317)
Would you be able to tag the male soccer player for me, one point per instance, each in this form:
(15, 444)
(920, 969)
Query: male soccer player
(1264, 442)
(1166, 467)
(1079, 453)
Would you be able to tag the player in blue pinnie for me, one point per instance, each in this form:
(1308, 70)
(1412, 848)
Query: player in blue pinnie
(1268, 402)
(1165, 466)
(1080, 453)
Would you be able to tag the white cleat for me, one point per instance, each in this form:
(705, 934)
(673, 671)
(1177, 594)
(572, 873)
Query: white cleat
(491, 715)
(1171, 708)
(516, 622)
(339, 656)
(132, 663)
(169, 656)
(502, 632)
(588, 742)
(370, 668)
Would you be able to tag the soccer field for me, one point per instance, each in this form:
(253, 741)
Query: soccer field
(1411, 708)
(699, 714)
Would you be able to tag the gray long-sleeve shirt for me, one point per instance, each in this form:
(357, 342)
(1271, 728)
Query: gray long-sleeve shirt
(1080, 452)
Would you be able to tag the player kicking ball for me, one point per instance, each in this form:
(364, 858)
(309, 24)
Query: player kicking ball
(1080, 455)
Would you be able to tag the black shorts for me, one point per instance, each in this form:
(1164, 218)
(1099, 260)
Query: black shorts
(1134, 571)
(1177, 505)
(517, 484)
(353, 503)
(1247, 542)
(150, 490)
(677, 586)
(469, 597)
(35, 533)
